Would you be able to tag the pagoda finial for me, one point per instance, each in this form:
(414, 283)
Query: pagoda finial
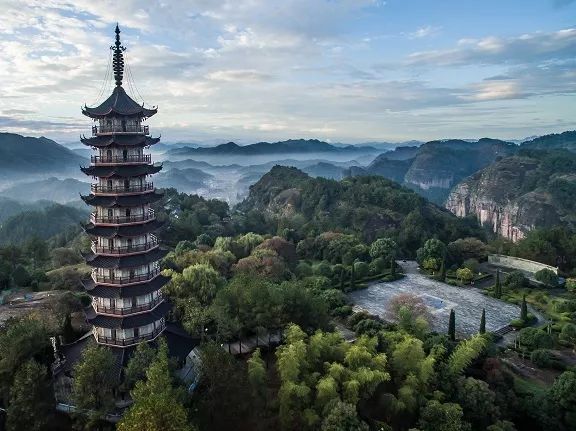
(118, 60)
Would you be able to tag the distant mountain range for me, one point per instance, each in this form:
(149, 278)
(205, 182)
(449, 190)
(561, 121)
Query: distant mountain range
(52, 189)
(266, 148)
(20, 154)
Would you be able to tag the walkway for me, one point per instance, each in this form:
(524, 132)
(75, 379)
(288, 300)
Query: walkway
(250, 344)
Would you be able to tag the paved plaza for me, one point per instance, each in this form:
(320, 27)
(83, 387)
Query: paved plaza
(467, 302)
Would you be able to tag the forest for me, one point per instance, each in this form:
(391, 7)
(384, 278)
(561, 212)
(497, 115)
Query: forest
(283, 262)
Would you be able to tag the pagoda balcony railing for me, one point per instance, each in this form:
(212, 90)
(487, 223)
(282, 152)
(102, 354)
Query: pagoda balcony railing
(124, 342)
(125, 249)
(129, 158)
(107, 279)
(106, 219)
(128, 310)
(99, 188)
(120, 129)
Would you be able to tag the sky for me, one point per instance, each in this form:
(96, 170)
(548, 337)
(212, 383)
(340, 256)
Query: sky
(336, 70)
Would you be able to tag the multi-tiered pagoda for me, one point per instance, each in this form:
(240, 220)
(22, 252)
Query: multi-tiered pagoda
(128, 306)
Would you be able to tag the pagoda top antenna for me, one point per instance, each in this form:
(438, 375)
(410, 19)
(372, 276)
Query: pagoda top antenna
(118, 60)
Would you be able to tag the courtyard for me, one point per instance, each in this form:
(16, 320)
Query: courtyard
(440, 298)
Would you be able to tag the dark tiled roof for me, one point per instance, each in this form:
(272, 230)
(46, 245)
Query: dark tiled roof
(120, 140)
(180, 343)
(99, 261)
(102, 291)
(122, 201)
(126, 322)
(123, 230)
(122, 171)
(118, 103)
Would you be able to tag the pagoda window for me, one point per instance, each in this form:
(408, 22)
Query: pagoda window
(109, 155)
(127, 212)
(110, 243)
(124, 152)
(132, 273)
(123, 125)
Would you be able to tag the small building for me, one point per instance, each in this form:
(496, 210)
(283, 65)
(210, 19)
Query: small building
(128, 306)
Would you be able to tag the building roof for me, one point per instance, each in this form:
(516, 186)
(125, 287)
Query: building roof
(127, 322)
(131, 261)
(122, 171)
(120, 140)
(103, 291)
(118, 103)
(122, 201)
(123, 230)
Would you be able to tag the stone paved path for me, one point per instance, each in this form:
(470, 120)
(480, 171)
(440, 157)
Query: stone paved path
(467, 302)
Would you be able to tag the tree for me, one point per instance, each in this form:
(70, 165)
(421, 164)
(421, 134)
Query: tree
(138, 364)
(464, 275)
(92, 391)
(515, 280)
(30, 398)
(471, 264)
(502, 426)
(343, 417)
(524, 310)
(563, 393)
(433, 248)
(442, 272)
(21, 276)
(37, 249)
(385, 248)
(21, 340)
(478, 402)
(410, 312)
(257, 377)
(202, 281)
(571, 284)
(568, 334)
(534, 338)
(452, 325)
(430, 264)
(442, 417)
(548, 277)
(157, 403)
(498, 286)
(463, 355)
(483, 322)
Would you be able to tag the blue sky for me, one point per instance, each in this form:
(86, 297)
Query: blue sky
(339, 70)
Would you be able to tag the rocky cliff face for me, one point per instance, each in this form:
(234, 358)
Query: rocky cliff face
(508, 197)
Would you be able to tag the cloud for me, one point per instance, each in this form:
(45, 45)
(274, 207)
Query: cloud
(250, 75)
(497, 50)
(426, 31)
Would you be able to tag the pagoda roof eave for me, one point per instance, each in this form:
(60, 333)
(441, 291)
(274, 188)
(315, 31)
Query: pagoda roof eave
(118, 103)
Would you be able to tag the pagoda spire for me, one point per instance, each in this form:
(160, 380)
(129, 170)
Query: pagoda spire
(118, 60)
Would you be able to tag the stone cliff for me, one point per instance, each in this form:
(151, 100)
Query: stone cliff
(511, 197)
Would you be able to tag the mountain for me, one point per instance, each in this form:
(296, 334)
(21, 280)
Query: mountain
(44, 223)
(22, 154)
(370, 206)
(555, 141)
(435, 167)
(52, 189)
(184, 180)
(324, 170)
(516, 194)
(284, 147)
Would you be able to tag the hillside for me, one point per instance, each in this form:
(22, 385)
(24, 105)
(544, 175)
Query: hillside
(43, 223)
(265, 148)
(555, 141)
(52, 189)
(370, 206)
(22, 154)
(514, 195)
(435, 167)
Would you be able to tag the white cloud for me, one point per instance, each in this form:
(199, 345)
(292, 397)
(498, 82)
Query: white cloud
(425, 31)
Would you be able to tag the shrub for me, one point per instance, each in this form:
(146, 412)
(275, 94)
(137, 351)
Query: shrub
(343, 311)
(547, 276)
(362, 269)
(534, 338)
(471, 264)
(571, 284)
(542, 357)
(515, 280)
(303, 270)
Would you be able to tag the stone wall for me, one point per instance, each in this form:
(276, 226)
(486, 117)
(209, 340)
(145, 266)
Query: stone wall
(525, 265)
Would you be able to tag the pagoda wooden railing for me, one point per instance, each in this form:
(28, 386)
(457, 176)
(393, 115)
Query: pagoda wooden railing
(129, 310)
(130, 158)
(105, 219)
(129, 341)
(119, 129)
(99, 188)
(107, 279)
(126, 249)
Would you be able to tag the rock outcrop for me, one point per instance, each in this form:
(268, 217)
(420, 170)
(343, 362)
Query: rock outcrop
(511, 197)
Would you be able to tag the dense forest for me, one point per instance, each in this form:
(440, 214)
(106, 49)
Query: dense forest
(282, 262)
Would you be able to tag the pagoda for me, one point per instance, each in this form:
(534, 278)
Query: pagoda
(125, 285)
